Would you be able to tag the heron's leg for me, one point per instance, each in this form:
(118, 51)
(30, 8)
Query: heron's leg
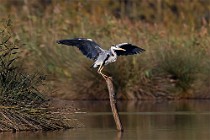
(99, 71)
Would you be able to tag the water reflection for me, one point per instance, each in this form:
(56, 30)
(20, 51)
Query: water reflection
(141, 120)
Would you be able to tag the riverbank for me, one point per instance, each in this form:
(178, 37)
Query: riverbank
(175, 63)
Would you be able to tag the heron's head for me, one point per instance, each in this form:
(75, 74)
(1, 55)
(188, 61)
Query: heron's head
(114, 47)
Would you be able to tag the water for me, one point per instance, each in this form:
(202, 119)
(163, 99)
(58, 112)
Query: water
(170, 120)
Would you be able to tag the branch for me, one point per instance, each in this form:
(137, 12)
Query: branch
(113, 103)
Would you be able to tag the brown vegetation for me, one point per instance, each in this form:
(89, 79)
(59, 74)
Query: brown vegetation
(175, 35)
(25, 119)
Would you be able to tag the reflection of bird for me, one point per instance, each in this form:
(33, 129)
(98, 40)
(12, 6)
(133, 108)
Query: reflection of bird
(102, 57)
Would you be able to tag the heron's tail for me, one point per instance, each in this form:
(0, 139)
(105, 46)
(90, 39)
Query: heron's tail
(92, 66)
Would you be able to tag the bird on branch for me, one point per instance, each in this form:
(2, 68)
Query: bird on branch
(101, 57)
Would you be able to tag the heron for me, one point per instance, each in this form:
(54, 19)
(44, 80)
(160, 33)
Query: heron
(101, 57)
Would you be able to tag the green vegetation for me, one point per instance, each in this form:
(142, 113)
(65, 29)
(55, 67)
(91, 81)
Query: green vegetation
(22, 106)
(174, 34)
(17, 87)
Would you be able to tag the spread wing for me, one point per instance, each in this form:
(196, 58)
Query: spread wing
(87, 46)
(129, 49)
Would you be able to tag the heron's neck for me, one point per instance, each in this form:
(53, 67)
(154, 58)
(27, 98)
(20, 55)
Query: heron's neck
(113, 52)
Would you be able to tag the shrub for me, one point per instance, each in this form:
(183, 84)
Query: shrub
(16, 86)
(182, 61)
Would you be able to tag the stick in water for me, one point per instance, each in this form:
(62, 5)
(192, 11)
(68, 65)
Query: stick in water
(113, 103)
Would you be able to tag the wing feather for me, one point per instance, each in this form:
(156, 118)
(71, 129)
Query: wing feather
(87, 46)
(129, 49)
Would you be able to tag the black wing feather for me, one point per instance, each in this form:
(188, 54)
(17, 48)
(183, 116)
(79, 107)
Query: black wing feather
(130, 49)
(88, 47)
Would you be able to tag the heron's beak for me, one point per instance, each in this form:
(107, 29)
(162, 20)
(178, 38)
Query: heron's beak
(120, 49)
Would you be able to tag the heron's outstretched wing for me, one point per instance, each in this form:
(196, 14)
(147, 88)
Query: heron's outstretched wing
(87, 46)
(129, 49)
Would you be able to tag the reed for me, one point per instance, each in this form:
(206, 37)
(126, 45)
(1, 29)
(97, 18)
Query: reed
(22, 105)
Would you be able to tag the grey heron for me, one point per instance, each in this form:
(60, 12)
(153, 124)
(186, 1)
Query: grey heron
(101, 57)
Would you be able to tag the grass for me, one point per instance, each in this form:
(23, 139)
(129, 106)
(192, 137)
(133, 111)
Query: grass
(175, 63)
(22, 105)
(182, 61)
(17, 87)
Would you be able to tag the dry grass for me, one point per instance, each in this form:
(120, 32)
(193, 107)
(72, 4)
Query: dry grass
(33, 119)
(175, 61)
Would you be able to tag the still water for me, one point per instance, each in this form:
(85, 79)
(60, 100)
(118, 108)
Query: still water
(168, 120)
